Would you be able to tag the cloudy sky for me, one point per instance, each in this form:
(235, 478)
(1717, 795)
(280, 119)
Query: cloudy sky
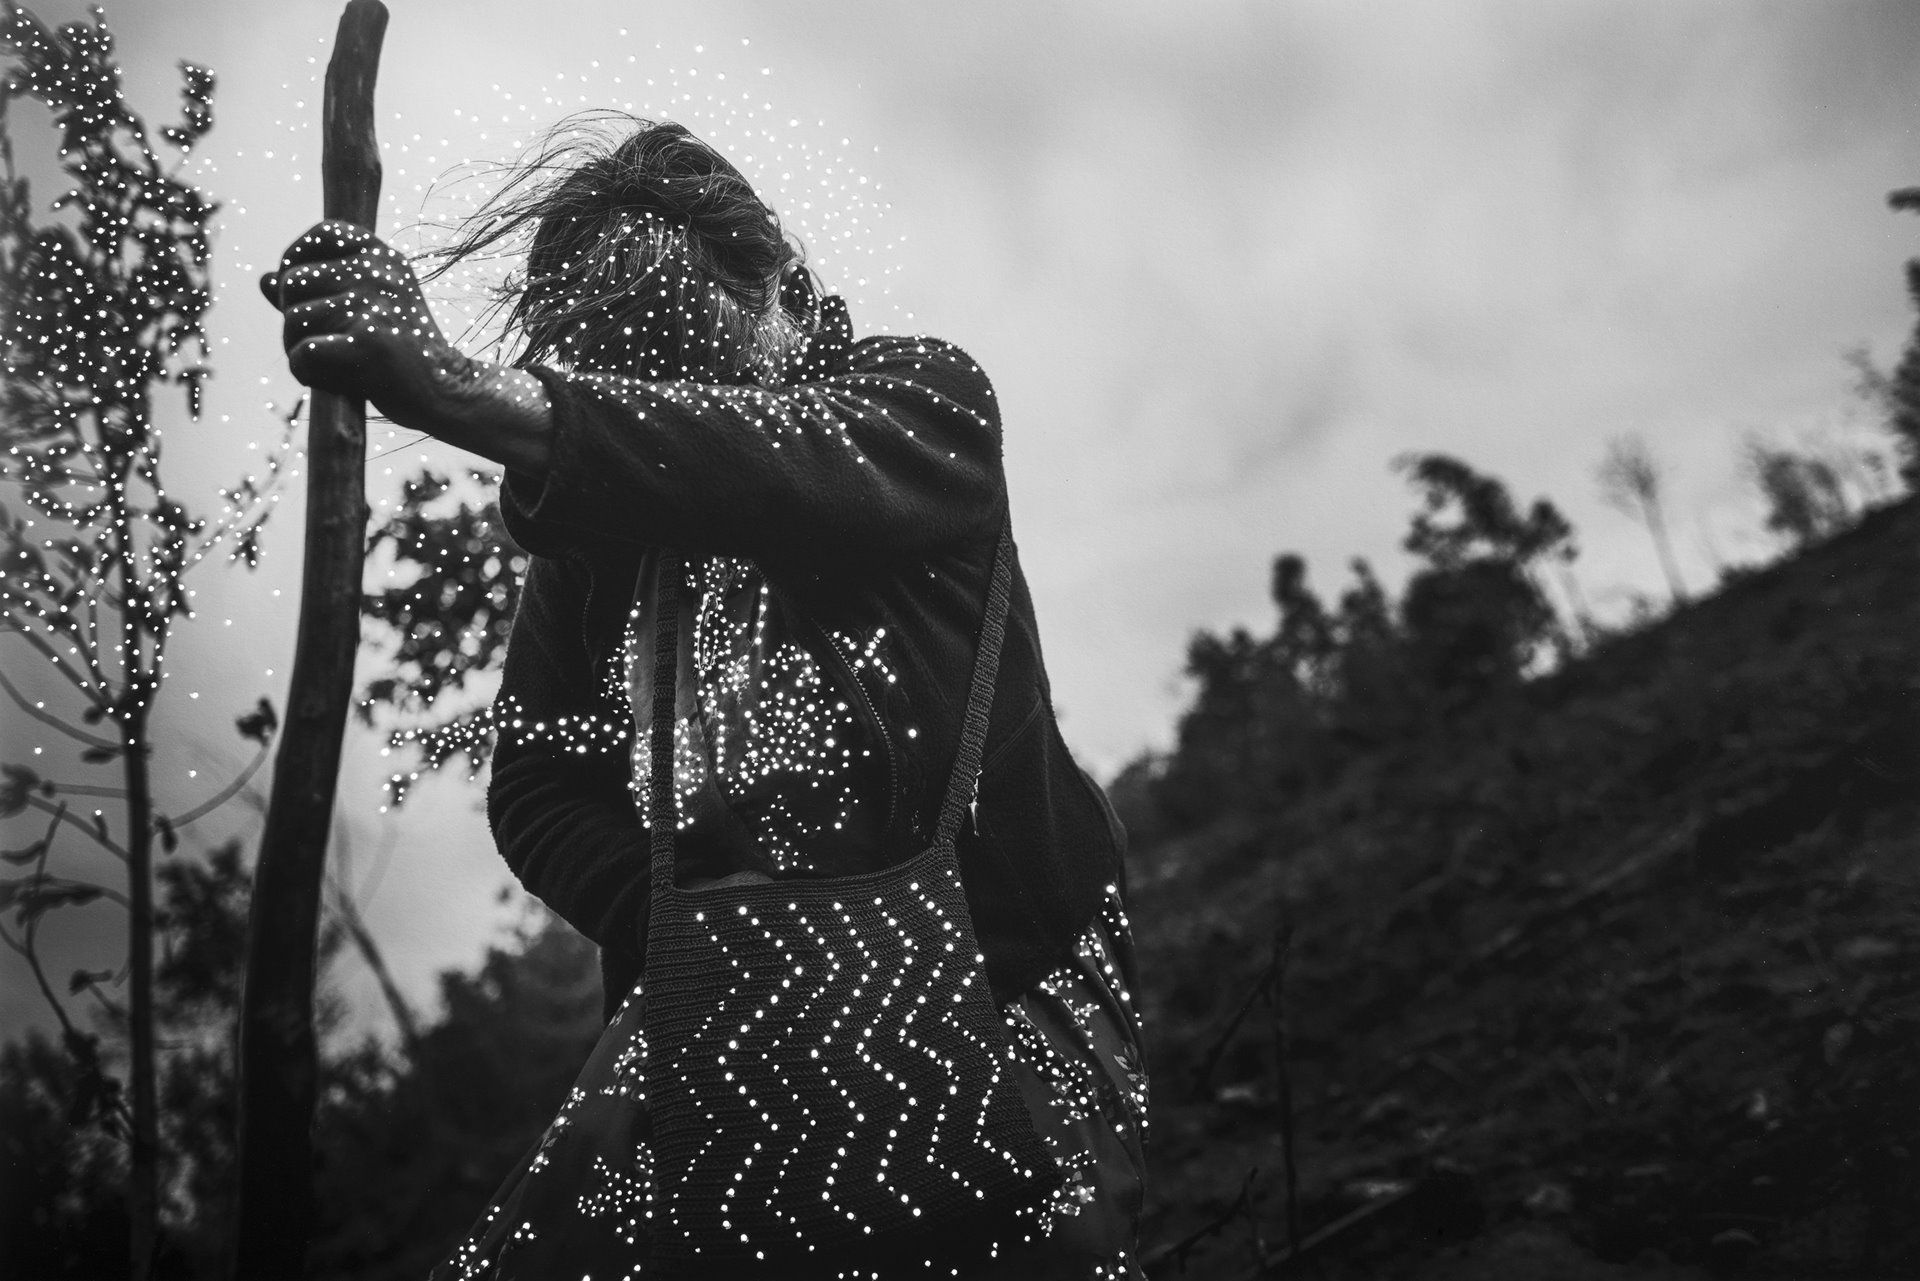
(1223, 261)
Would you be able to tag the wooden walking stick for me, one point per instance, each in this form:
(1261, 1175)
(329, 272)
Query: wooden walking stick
(279, 1062)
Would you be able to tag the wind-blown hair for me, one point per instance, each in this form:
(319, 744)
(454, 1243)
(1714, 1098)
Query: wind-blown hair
(650, 255)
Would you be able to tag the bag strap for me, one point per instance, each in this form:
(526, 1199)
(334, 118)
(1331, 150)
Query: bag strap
(963, 784)
(662, 814)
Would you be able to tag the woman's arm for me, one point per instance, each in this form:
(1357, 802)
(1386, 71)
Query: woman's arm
(558, 801)
(354, 321)
(897, 457)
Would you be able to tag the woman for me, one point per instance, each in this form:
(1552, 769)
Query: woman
(682, 390)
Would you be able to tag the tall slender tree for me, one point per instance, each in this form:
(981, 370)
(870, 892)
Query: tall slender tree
(1633, 482)
(1901, 391)
(101, 308)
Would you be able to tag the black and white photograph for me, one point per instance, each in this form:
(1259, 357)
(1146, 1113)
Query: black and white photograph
(866, 640)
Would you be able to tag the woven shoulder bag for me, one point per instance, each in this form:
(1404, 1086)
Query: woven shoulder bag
(830, 1084)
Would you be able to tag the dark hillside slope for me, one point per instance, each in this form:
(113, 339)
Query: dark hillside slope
(1627, 963)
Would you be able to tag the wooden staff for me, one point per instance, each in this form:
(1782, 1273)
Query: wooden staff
(279, 1061)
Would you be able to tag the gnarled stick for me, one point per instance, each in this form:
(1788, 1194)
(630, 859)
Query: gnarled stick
(279, 1062)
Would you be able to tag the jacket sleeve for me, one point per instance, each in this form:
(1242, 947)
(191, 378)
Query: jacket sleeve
(558, 801)
(896, 458)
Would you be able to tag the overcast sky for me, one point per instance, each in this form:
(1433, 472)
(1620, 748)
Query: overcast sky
(1223, 261)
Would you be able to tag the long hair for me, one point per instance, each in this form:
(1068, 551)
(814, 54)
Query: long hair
(650, 255)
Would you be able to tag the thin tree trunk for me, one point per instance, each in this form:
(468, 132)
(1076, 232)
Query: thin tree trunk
(1577, 603)
(1657, 524)
(143, 1174)
(279, 1061)
(346, 910)
(349, 913)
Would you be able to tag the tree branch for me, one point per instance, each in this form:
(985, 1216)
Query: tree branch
(25, 947)
(260, 496)
(347, 911)
(1178, 1250)
(49, 718)
(225, 794)
(1262, 987)
(93, 641)
(42, 597)
(62, 814)
(67, 882)
(93, 691)
(86, 789)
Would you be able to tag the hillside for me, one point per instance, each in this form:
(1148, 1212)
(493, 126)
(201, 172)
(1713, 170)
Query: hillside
(1611, 979)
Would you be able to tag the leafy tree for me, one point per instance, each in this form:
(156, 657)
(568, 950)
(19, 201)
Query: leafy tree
(1273, 714)
(1805, 495)
(1262, 706)
(68, 1207)
(1230, 751)
(1348, 660)
(411, 1148)
(1902, 391)
(411, 1139)
(1476, 616)
(63, 1210)
(203, 934)
(1474, 628)
(1307, 639)
(1465, 516)
(100, 308)
(455, 582)
(1374, 698)
(1825, 481)
(1138, 793)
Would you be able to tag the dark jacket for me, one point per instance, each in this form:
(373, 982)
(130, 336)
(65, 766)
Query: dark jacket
(871, 500)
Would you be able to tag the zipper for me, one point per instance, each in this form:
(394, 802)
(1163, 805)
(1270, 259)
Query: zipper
(586, 609)
(597, 662)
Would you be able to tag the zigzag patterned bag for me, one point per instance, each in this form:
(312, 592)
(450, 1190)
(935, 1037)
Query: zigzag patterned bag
(830, 1085)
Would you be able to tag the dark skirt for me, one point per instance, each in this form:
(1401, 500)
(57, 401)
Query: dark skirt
(576, 1205)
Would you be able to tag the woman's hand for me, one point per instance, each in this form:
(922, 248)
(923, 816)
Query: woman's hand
(355, 322)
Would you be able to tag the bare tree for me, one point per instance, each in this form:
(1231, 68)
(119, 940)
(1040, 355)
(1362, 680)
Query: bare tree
(1631, 481)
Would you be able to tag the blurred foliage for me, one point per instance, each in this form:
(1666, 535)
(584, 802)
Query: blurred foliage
(60, 1154)
(1814, 490)
(1272, 716)
(411, 1143)
(62, 1184)
(411, 1148)
(1899, 392)
(454, 580)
